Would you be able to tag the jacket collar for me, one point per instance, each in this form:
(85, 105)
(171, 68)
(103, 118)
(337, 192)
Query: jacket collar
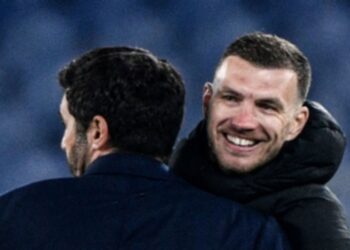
(129, 164)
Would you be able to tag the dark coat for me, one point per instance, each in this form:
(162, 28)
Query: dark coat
(291, 187)
(129, 201)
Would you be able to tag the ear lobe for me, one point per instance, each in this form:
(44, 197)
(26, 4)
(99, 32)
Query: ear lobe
(98, 133)
(299, 122)
(207, 94)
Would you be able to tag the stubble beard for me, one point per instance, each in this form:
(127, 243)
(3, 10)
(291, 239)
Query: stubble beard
(78, 158)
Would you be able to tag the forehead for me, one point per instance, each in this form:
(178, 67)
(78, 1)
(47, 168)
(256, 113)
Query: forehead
(235, 72)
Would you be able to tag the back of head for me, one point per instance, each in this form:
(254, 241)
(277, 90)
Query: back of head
(140, 96)
(271, 51)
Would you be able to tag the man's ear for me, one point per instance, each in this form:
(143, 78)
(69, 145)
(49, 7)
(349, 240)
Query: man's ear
(98, 133)
(207, 94)
(300, 119)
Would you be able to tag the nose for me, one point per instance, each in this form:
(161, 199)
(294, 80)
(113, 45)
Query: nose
(245, 118)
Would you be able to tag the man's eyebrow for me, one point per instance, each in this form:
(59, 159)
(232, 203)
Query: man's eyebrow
(272, 101)
(230, 91)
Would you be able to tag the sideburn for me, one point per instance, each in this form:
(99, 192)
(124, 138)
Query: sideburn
(80, 151)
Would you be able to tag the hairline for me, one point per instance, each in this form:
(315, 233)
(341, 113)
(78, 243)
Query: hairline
(300, 98)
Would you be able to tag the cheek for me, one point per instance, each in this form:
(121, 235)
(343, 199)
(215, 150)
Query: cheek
(213, 123)
(277, 127)
(218, 113)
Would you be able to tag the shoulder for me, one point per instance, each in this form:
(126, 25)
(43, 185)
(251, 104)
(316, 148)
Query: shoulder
(59, 190)
(38, 186)
(308, 195)
(30, 203)
(307, 198)
(311, 215)
(37, 191)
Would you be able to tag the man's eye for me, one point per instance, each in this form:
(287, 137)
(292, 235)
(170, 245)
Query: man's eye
(268, 107)
(229, 98)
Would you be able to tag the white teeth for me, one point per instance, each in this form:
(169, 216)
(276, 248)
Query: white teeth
(239, 141)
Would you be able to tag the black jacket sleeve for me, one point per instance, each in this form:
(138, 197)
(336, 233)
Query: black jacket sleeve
(311, 216)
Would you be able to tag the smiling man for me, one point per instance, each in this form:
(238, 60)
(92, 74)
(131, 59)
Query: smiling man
(251, 111)
(253, 146)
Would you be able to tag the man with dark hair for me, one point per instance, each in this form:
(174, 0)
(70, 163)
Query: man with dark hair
(122, 109)
(122, 85)
(252, 146)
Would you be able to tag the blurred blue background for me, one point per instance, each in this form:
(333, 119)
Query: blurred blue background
(38, 37)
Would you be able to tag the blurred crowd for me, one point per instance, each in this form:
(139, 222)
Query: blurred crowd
(37, 37)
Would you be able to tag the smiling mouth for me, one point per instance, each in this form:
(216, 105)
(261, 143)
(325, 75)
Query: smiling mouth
(241, 142)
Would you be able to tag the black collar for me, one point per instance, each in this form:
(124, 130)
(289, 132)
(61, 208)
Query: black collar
(129, 164)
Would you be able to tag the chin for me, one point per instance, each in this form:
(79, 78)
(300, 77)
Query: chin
(237, 167)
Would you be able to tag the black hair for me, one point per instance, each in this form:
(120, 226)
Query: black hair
(140, 96)
(271, 51)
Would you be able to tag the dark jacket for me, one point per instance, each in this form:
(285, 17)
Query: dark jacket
(129, 201)
(291, 187)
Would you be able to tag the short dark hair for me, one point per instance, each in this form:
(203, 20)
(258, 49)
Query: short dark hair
(140, 96)
(271, 51)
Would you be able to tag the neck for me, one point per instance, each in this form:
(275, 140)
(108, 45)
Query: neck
(101, 152)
